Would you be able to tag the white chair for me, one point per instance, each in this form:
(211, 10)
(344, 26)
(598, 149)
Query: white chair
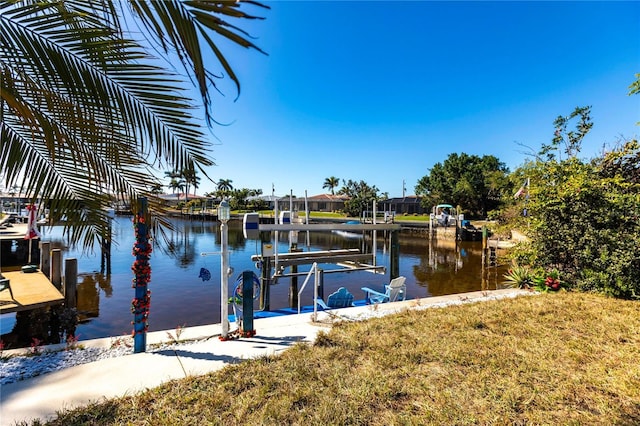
(396, 290)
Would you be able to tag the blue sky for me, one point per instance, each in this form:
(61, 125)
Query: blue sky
(381, 91)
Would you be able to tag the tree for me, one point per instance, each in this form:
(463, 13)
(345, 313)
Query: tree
(474, 183)
(173, 174)
(361, 197)
(156, 188)
(224, 187)
(191, 178)
(572, 140)
(634, 89)
(331, 183)
(89, 108)
(584, 218)
(239, 198)
(175, 185)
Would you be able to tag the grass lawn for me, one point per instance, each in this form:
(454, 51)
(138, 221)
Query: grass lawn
(554, 359)
(417, 218)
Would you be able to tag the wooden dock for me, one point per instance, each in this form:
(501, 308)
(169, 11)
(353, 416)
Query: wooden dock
(30, 291)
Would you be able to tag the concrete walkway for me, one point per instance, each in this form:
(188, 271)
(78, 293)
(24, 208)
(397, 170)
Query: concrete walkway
(41, 397)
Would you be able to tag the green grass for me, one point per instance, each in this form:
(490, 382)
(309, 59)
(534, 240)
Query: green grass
(311, 214)
(418, 218)
(325, 214)
(555, 359)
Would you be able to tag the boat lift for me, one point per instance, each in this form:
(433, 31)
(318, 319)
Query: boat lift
(348, 259)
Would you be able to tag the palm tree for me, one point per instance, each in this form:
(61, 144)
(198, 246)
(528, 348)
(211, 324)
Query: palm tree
(176, 185)
(89, 111)
(331, 183)
(156, 188)
(224, 186)
(190, 177)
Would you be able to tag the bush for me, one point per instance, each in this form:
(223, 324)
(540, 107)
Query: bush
(584, 223)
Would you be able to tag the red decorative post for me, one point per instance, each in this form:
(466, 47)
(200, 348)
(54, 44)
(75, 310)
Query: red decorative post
(142, 276)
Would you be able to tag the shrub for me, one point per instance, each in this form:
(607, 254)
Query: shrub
(520, 277)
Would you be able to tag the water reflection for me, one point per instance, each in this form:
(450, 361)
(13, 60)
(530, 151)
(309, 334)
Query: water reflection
(88, 296)
(181, 297)
(444, 267)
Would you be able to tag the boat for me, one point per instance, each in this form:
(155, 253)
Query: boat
(444, 215)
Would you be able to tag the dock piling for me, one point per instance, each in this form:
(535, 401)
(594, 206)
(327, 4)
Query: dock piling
(70, 282)
(45, 258)
(56, 268)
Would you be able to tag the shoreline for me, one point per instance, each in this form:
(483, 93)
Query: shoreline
(22, 363)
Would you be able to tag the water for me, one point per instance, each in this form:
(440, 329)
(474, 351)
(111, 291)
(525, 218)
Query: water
(180, 298)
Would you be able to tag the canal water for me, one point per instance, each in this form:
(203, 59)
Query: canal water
(180, 297)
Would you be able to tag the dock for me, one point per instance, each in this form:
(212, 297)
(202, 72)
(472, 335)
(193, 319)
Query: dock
(30, 291)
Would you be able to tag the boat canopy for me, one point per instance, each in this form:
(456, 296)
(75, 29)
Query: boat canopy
(444, 206)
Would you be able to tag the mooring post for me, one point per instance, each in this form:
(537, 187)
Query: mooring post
(395, 255)
(247, 303)
(45, 259)
(105, 250)
(265, 280)
(70, 282)
(431, 229)
(320, 283)
(266, 283)
(293, 285)
(293, 288)
(55, 275)
(484, 244)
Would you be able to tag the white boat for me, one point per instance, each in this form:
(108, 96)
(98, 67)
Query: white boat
(445, 215)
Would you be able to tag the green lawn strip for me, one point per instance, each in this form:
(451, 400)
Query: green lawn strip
(567, 358)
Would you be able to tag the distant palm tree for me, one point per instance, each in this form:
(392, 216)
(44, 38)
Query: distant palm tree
(331, 183)
(156, 188)
(173, 174)
(224, 186)
(190, 177)
(176, 185)
(89, 108)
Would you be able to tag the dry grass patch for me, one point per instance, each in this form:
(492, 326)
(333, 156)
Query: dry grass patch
(551, 359)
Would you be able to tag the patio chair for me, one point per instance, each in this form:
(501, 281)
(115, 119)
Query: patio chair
(5, 285)
(339, 299)
(396, 290)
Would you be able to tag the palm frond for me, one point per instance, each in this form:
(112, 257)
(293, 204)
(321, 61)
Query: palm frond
(87, 113)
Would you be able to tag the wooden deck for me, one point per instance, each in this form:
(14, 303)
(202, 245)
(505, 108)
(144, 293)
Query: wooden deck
(30, 291)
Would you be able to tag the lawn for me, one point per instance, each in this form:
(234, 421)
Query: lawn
(566, 358)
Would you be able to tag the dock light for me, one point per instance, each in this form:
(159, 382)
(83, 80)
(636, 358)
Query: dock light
(224, 213)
